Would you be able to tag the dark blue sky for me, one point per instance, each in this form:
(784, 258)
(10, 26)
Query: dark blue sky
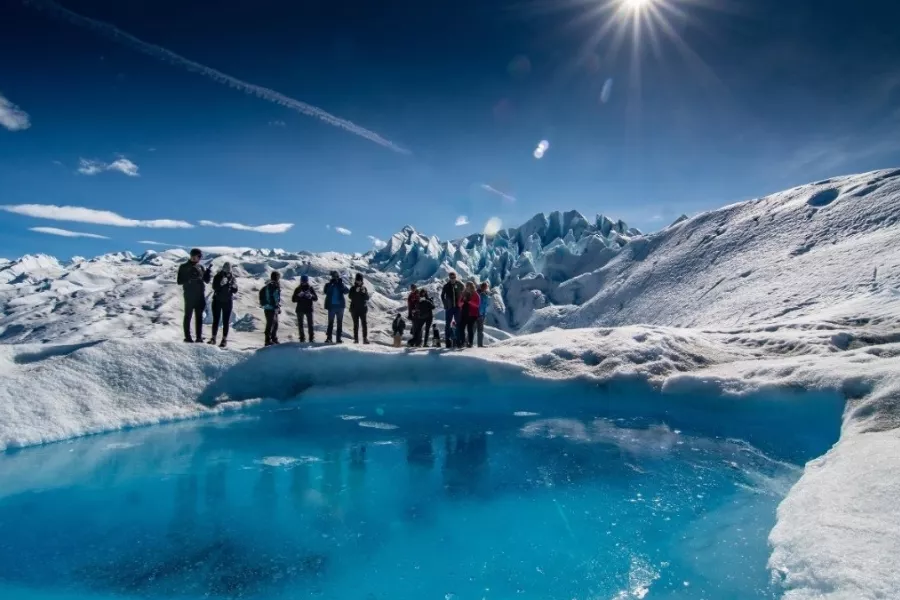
(759, 95)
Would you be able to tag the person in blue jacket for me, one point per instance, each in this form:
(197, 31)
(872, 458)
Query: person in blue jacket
(484, 292)
(335, 290)
(270, 300)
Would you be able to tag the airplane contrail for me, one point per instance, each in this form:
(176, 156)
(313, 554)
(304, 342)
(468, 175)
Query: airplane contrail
(160, 53)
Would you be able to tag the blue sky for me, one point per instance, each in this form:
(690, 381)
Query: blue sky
(750, 98)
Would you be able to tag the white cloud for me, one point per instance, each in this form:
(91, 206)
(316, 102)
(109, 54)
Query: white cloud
(152, 243)
(493, 226)
(541, 149)
(225, 250)
(606, 92)
(495, 191)
(277, 123)
(274, 228)
(343, 231)
(12, 117)
(78, 214)
(122, 165)
(377, 243)
(462, 220)
(67, 233)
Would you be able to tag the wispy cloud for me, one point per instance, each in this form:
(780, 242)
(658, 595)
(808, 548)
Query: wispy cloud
(278, 123)
(506, 197)
(12, 117)
(93, 167)
(378, 244)
(117, 35)
(462, 220)
(225, 250)
(67, 233)
(79, 214)
(274, 228)
(343, 231)
(152, 243)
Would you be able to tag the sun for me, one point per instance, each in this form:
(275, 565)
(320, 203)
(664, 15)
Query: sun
(637, 5)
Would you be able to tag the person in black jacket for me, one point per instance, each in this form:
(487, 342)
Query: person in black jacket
(304, 296)
(270, 300)
(224, 288)
(334, 293)
(425, 312)
(192, 277)
(450, 296)
(359, 308)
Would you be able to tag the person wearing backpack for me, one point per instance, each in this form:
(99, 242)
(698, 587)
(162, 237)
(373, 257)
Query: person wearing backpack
(224, 288)
(425, 316)
(397, 329)
(270, 300)
(359, 308)
(304, 297)
(469, 308)
(192, 278)
(335, 290)
(450, 297)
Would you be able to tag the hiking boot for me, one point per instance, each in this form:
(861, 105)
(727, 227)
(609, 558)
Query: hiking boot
(328, 340)
(268, 343)
(224, 343)
(199, 340)
(188, 340)
(212, 341)
(275, 341)
(302, 339)
(355, 340)
(339, 341)
(365, 340)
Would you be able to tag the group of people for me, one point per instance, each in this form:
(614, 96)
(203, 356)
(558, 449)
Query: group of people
(464, 307)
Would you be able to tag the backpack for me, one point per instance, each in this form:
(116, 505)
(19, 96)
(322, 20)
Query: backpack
(263, 300)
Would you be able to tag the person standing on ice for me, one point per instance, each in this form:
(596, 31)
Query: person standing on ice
(424, 317)
(224, 288)
(469, 308)
(335, 290)
(450, 298)
(192, 278)
(485, 296)
(270, 300)
(359, 308)
(304, 296)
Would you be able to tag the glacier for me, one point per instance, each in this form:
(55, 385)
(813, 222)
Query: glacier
(796, 290)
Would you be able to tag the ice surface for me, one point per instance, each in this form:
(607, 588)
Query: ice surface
(300, 503)
(795, 290)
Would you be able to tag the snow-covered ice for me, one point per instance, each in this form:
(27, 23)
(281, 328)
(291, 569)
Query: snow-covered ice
(798, 290)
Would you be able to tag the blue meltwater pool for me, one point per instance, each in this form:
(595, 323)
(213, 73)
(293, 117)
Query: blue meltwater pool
(347, 498)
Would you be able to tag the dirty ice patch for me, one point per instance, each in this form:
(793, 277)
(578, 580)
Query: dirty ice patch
(377, 425)
(286, 462)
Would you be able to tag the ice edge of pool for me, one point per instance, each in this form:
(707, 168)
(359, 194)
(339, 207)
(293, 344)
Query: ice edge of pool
(817, 549)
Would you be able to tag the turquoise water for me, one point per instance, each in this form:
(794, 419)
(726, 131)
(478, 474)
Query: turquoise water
(340, 500)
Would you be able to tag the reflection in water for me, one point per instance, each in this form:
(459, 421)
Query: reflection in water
(419, 451)
(465, 463)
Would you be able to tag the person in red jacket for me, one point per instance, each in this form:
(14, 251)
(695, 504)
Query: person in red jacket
(469, 304)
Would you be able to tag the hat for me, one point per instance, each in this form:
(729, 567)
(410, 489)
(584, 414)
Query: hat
(226, 267)
(304, 278)
(196, 252)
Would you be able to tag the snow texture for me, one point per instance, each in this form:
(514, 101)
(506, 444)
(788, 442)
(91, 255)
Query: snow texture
(798, 290)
